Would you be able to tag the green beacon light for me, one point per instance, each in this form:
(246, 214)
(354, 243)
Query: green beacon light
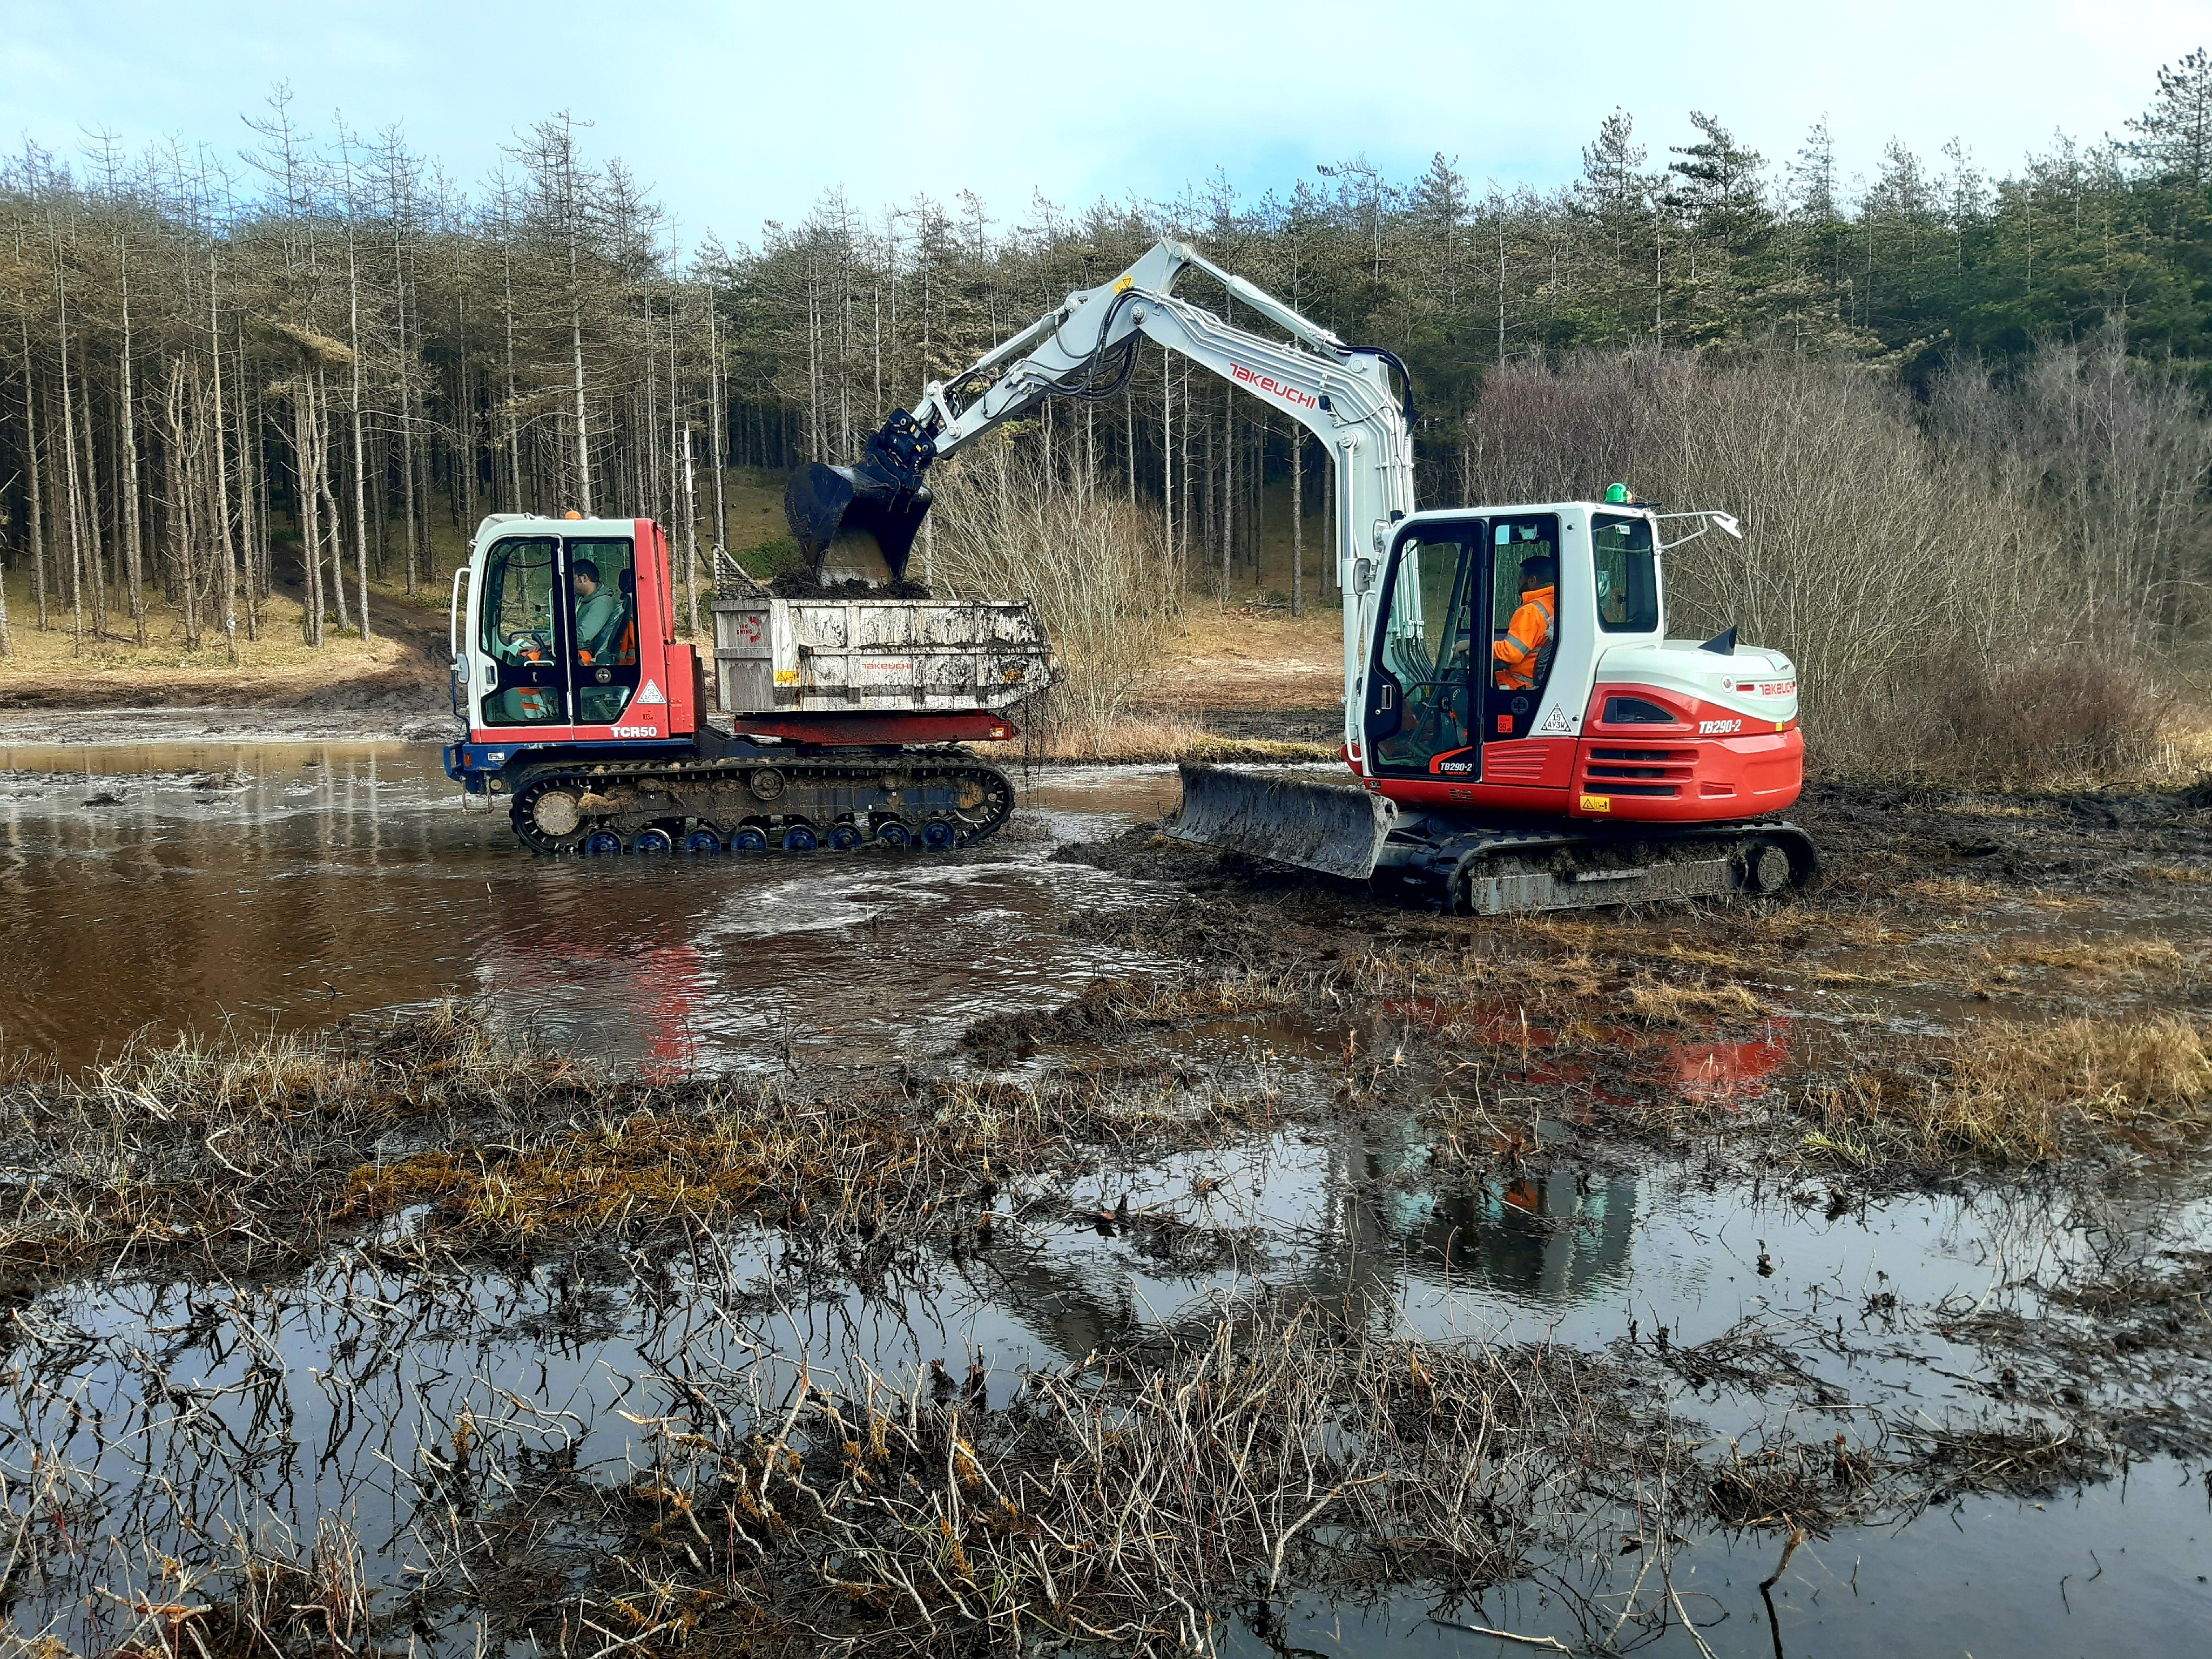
(1616, 494)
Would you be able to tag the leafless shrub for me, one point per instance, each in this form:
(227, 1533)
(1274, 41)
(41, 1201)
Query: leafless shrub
(2082, 711)
(1099, 567)
(1969, 583)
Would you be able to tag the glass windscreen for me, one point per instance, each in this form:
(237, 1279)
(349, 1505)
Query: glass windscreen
(1627, 574)
(518, 599)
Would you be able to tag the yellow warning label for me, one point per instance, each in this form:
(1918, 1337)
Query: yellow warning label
(1124, 282)
(1597, 803)
(786, 676)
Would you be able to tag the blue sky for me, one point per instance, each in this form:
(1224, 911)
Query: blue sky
(737, 113)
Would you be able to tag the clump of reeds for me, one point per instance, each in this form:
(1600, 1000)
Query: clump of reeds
(1128, 1499)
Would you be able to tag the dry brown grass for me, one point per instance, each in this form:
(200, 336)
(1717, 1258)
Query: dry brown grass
(1958, 892)
(2186, 875)
(1656, 1002)
(2099, 957)
(256, 1154)
(2022, 1094)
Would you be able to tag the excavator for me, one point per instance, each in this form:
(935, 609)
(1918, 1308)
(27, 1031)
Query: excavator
(1612, 765)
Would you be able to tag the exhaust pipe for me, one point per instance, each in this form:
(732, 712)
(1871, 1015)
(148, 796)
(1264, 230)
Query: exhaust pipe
(1328, 827)
(861, 521)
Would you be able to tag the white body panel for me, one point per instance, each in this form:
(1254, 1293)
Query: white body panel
(1761, 684)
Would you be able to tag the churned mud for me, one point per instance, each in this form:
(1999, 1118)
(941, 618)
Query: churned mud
(1168, 1254)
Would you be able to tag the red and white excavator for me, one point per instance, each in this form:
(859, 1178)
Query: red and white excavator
(1616, 765)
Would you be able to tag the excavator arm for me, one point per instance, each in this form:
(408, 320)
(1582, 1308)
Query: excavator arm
(1085, 349)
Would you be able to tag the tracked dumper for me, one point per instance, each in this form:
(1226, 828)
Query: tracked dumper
(843, 718)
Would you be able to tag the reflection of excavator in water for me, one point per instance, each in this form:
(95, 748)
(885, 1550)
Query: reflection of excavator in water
(1507, 757)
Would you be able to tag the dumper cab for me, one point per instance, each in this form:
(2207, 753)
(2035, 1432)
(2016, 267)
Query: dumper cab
(563, 639)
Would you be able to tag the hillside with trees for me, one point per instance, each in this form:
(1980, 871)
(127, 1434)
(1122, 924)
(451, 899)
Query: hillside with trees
(308, 364)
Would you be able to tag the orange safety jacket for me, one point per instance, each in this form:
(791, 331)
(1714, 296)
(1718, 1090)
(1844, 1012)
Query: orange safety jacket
(625, 649)
(536, 702)
(1524, 652)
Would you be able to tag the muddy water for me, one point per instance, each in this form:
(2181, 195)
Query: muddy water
(289, 883)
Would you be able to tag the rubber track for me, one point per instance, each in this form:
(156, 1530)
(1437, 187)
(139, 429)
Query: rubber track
(796, 772)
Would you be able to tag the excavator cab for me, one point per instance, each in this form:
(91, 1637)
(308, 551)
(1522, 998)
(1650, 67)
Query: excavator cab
(1450, 594)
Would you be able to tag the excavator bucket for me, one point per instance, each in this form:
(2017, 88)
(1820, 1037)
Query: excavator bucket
(853, 522)
(1327, 827)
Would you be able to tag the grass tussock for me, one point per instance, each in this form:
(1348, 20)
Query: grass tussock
(1656, 1002)
(259, 1154)
(2022, 1094)
(2100, 958)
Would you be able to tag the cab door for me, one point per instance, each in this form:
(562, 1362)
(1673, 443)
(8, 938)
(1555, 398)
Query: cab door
(522, 632)
(1518, 546)
(602, 627)
(1424, 680)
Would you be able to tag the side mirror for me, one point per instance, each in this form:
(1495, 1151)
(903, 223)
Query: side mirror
(1726, 521)
(1363, 574)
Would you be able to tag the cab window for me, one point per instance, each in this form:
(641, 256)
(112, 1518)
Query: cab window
(602, 626)
(1627, 574)
(518, 608)
(603, 591)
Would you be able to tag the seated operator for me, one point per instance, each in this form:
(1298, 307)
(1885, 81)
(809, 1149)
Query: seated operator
(1525, 652)
(599, 613)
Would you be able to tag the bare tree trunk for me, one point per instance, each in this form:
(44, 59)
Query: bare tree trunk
(407, 466)
(221, 517)
(576, 354)
(131, 527)
(690, 535)
(303, 493)
(251, 519)
(1228, 495)
(1297, 520)
(716, 456)
(95, 559)
(31, 477)
(360, 442)
(333, 521)
(176, 493)
(69, 456)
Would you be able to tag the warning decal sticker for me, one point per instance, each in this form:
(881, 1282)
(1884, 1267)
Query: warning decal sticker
(650, 692)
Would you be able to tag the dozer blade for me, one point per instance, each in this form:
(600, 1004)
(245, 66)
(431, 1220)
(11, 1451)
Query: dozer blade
(854, 521)
(1327, 827)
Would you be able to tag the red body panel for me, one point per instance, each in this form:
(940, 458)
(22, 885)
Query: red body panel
(1709, 765)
